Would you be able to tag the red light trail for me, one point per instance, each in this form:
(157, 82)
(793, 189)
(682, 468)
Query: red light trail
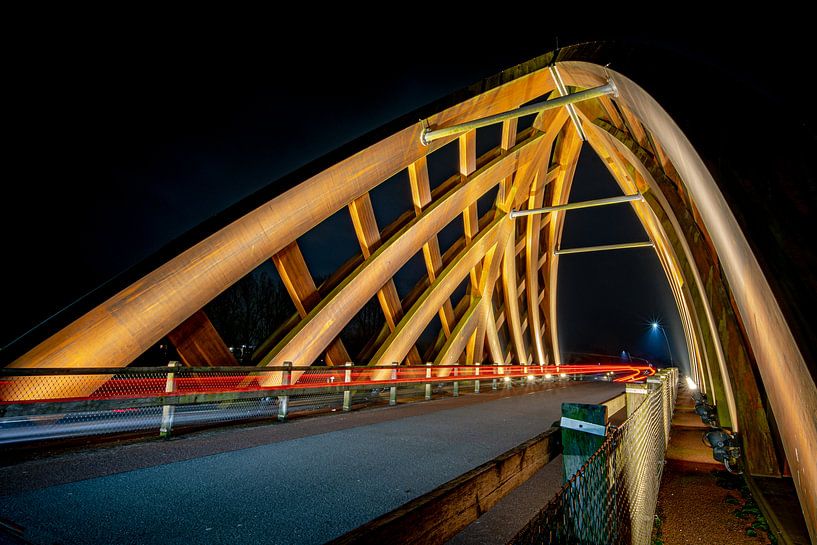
(123, 387)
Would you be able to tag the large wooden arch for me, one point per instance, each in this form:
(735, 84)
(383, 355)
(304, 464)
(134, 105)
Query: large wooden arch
(733, 323)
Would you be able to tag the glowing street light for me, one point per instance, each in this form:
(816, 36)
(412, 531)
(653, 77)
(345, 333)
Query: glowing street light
(691, 384)
(656, 326)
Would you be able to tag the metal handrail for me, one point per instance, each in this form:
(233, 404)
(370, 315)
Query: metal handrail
(428, 135)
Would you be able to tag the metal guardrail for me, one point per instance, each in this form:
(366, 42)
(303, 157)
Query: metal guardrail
(612, 498)
(39, 404)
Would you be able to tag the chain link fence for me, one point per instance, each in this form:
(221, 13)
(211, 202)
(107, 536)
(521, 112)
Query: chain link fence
(44, 404)
(612, 498)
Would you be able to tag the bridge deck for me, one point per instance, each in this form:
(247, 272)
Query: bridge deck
(303, 482)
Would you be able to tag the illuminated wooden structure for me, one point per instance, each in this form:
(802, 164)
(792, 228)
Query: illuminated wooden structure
(733, 322)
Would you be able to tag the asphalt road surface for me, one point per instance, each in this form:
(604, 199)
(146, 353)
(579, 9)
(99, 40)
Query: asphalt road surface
(302, 482)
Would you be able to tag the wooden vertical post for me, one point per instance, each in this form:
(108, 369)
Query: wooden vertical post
(635, 394)
(659, 382)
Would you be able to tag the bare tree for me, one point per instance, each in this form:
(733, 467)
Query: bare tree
(250, 310)
(365, 325)
(255, 306)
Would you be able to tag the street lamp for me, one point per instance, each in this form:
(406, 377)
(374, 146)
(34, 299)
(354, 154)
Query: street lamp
(655, 326)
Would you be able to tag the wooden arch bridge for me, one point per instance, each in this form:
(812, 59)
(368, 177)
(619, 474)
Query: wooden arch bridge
(743, 352)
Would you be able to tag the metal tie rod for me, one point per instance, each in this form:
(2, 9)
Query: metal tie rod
(429, 135)
(624, 246)
(576, 205)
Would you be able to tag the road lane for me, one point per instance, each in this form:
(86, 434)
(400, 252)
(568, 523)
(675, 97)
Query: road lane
(303, 490)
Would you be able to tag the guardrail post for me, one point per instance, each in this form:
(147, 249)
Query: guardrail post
(347, 393)
(476, 381)
(508, 380)
(283, 401)
(393, 389)
(494, 370)
(168, 411)
(456, 382)
(428, 384)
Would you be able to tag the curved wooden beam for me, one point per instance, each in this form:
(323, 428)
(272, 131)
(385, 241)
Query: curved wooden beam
(567, 156)
(459, 337)
(754, 328)
(116, 332)
(790, 388)
(307, 340)
(418, 316)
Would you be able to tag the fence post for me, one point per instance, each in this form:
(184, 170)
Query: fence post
(283, 401)
(347, 393)
(428, 384)
(168, 411)
(659, 382)
(666, 398)
(635, 394)
(476, 381)
(393, 389)
(584, 428)
(456, 383)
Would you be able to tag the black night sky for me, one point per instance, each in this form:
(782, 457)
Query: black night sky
(120, 141)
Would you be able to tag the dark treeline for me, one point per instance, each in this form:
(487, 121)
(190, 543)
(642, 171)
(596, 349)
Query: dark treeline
(253, 308)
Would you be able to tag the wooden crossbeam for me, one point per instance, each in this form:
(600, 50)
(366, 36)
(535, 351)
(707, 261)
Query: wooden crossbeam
(416, 318)
(199, 344)
(326, 320)
(460, 337)
(566, 153)
(421, 198)
(470, 217)
(115, 332)
(532, 231)
(368, 234)
(301, 287)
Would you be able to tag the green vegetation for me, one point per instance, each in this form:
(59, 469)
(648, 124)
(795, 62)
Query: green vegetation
(657, 532)
(747, 507)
